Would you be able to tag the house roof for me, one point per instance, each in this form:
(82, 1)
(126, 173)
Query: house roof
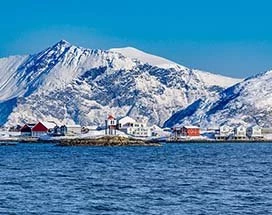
(240, 126)
(224, 126)
(126, 119)
(49, 125)
(110, 117)
(27, 127)
(186, 126)
(255, 126)
(30, 125)
(73, 126)
(190, 126)
(43, 126)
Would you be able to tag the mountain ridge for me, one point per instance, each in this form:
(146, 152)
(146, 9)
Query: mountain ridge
(72, 84)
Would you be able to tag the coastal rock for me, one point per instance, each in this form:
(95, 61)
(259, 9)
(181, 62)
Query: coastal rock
(107, 141)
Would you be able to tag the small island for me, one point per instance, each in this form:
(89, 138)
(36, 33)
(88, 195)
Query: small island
(107, 141)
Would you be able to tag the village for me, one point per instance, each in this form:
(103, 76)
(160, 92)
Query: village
(134, 128)
(46, 130)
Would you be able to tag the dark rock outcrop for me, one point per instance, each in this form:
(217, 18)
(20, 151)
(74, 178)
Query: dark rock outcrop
(107, 141)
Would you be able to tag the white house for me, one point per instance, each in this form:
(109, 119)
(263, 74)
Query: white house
(139, 130)
(132, 127)
(125, 122)
(70, 130)
(223, 133)
(157, 131)
(254, 132)
(240, 133)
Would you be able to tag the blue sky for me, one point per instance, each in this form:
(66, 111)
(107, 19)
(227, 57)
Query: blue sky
(231, 37)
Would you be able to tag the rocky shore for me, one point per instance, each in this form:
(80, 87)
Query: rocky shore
(107, 141)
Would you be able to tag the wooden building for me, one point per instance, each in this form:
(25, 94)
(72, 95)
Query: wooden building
(191, 131)
(26, 130)
(186, 131)
(43, 128)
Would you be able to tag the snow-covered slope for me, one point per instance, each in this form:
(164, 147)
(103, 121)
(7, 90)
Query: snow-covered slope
(211, 79)
(9, 77)
(208, 78)
(72, 84)
(246, 103)
(153, 60)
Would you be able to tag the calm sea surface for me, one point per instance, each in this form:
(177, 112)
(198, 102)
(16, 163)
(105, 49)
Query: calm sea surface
(173, 179)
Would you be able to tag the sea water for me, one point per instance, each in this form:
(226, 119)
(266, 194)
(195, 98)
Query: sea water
(172, 179)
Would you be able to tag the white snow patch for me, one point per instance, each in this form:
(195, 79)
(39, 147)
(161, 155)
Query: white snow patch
(144, 57)
(211, 79)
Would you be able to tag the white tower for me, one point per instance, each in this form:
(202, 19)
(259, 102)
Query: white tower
(111, 125)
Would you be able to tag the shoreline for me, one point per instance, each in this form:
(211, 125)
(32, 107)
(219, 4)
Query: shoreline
(118, 141)
(219, 141)
(100, 141)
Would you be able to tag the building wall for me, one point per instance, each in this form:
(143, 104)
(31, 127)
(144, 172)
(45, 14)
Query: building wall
(38, 133)
(225, 131)
(240, 131)
(111, 126)
(266, 130)
(139, 131)
(192, 132)
(255, 131)
(26, 134)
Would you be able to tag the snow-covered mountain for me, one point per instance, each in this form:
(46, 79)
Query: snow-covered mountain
(71, 84)
(246, 103)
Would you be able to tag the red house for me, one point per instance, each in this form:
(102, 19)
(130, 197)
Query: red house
(43, 128)
(26, 130)
(186, 131)
(191, 131)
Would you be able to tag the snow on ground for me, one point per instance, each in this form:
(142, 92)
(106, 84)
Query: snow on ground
(4, 134)
(99, 133)
(268, 136)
